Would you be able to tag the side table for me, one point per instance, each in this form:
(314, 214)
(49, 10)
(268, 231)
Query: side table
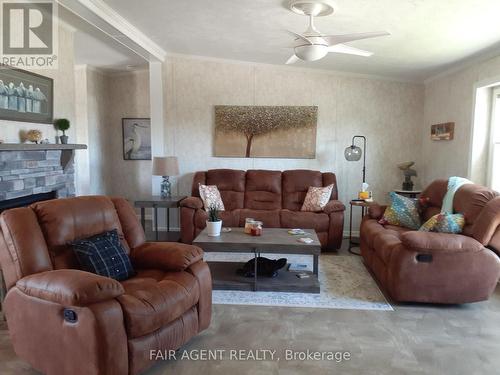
(155, 202)
(364, 206)
(408, 193)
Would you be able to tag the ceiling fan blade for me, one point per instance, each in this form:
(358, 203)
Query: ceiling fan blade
(292, 60)
(337, 39)
(342, 48)
(302, 37)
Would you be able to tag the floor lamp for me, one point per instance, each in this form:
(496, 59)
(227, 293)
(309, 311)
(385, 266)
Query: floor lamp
(354, 153)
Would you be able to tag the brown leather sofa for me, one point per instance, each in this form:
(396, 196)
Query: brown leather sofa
(117, 323)
(432, 267)
(273, 197)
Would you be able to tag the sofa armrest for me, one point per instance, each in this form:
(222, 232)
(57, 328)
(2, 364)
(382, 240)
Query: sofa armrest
(334, 206)
(70, 287)
(431, 242)
(192, 202)
(168, 256)
(376, 211)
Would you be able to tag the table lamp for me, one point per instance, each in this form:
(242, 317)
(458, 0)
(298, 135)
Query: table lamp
(165, 166)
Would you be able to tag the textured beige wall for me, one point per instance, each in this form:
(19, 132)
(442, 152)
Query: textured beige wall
(450, 98)
(126, 95)
(389, 114)
(64, 94)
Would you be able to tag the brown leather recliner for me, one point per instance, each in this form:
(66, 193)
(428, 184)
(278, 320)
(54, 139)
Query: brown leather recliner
(66, 321)
(273, 197)
(432, 267)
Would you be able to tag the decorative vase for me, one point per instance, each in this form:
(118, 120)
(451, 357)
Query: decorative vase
(64, 139)
(214, 228)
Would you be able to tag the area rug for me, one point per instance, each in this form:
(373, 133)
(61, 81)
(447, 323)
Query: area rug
(345, 284)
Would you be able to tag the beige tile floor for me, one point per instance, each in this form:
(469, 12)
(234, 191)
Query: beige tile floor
(413, 339)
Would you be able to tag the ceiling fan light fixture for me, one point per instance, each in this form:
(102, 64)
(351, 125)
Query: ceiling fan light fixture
(316, 8)
(311, 52)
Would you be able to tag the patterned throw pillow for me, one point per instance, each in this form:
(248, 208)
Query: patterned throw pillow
(317, 198)
(210, 196)
(104, 255)
(444, 223)
(402, 212)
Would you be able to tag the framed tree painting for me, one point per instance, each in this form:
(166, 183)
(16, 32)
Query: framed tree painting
(136, 138)
(266, 131)
(26, 96)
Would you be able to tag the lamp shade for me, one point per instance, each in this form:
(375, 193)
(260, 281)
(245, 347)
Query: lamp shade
(165, 166)
(353, 153)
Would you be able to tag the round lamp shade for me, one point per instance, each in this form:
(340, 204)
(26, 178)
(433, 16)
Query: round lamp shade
(165, 166)
(353, 153)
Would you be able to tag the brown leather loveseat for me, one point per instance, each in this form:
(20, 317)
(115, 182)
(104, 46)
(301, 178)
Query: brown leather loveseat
(273, 197)
(66, 321)
(416, 266)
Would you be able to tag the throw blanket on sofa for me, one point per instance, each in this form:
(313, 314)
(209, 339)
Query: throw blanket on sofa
(454, 183)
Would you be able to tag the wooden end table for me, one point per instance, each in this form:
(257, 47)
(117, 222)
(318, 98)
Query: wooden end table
(155, 202)
(364, 206)
(409, 193)
(272, 241)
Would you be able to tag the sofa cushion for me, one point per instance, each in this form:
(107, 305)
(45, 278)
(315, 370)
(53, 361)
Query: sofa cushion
(155, 298)
(231, 184)
(403, 212)
(263, 190)
(305, 220)
(104, 255)
(269, 218)
(211, 197)
(295, 184)
(317, 198)
(66, 220)
(444, 223)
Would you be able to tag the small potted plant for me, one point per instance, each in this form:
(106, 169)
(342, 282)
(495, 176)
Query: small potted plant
(62, 124)
(214, 223)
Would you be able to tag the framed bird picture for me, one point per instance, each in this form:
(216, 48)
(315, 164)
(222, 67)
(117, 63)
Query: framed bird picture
(25, 96)
(136, 138)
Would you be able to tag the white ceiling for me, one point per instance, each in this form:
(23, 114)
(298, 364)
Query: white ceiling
(95, 48)
(428, 36)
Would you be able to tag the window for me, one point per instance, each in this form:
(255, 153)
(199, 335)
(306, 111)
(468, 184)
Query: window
(494, 154)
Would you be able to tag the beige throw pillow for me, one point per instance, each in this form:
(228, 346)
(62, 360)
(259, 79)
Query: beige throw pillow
(317, 198)
(210, 196)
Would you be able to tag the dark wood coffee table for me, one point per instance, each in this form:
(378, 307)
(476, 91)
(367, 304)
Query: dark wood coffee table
(272, 241)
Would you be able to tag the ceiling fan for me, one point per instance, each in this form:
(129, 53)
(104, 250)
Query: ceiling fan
(312, 45)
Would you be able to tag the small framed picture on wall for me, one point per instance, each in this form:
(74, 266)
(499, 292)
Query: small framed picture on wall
(136, 138)
(443, 132)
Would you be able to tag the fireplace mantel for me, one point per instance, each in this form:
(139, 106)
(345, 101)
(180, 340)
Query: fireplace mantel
(35, 147)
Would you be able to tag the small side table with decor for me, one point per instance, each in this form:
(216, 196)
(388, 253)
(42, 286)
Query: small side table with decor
(156, 202)
(408, 193)
(364, 207)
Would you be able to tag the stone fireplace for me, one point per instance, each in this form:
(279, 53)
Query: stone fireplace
(30, 172)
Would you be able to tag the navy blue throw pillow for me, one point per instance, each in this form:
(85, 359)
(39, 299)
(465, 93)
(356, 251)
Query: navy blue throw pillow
(104, 255)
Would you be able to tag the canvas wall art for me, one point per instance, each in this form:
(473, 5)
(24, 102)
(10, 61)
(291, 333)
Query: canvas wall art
(136, 138)
(443, 132)
(25, 96)
(266, 131)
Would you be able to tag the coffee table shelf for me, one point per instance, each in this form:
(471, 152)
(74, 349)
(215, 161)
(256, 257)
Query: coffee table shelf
(226, 278)
(272, 241)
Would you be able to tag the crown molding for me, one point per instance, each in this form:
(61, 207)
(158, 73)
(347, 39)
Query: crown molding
(121, 28)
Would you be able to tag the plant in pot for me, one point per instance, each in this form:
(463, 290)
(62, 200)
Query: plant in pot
(214, 223)
(62, 124)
